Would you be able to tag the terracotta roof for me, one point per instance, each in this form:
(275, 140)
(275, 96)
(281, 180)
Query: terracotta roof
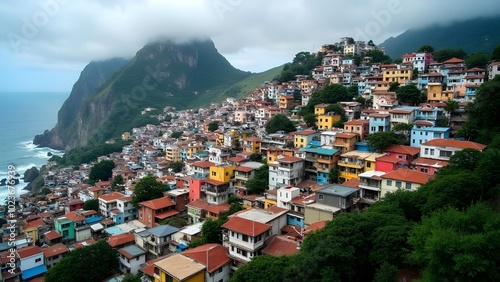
(204, 164)
(55, 250)
(29, 251)
(429, 162)
(32, 217)
(213, 256)
(291, 230)
(440, 142)
(34, 224)
(96, 189)
(252, 139)
(402, 149)
(454, 61)
(51, 235)
(435, 74)
(215, 182)
(245, 226)
(290, 159)
(237, 159)
(388, 159)
(199, 203)
(280, 245)
(74, 216)
(111, 196)
(357, 122)
(166, 214)
(353, 183)
(408, 175)
(149, 269)
(85, 243)
(118, 240)
(305, 132)
(380, 115)
(217, 209)
(314, 226)
(398, 111)
(346, 135)
(244, 168)
(159, 203)
(424, 122)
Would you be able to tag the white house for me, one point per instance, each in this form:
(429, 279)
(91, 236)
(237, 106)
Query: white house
(131, 258)
(32, 262)
(443, 149)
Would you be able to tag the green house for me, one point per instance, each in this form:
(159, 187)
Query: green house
(65, 227)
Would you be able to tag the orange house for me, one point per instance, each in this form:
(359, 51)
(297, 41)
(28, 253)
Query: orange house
(153, 211)
(358, 126)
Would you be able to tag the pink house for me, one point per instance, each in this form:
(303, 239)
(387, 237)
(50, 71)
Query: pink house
(387, 163)
(405, 153)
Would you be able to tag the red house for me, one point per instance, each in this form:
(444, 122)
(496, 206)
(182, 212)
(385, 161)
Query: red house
(195, 188)
(387, 163)
(75, 205)
(405, 153)
(153, 211)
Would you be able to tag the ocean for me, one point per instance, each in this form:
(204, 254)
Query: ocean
(22, 116)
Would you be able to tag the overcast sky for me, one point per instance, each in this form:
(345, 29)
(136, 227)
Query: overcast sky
(46, 43)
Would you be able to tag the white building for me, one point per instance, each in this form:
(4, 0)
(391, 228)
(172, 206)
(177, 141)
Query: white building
(131, 258)
(31, 262)
(290, 171)
(108, 202)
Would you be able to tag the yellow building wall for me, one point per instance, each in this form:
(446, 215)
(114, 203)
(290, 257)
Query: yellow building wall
(369, 166)
(300, 141)
(397, 75)
(221, 173)
(269, 203)
(312, 215)
(33, 233)
(199, 277)
(434, 92)
(384, 188)
(273, 156)
(326, 122)
(319, 110)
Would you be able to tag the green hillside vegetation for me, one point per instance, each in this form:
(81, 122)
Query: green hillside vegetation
(447, 230)
(474, 35)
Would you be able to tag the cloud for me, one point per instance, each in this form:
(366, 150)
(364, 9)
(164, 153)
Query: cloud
(67, 34)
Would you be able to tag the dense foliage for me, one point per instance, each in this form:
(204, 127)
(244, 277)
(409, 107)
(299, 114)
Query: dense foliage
(146, 189)
(260, 182)
(88, 153)
(279, 122)
(91, 263)
(303, 63)
(101, 171)
(92, 204)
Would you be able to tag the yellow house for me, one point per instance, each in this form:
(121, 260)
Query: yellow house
(435, 93)
(326, 121)
(351, 164)
(397, 75)
(177, 268)
(222, 173)
(173, 153)
(302, 138)
(31, 229)
(274, 152)
(270, 198)
(252, 144)
(370, 161)
(194, 148)
(320, 109)
(126, 136)
(220, 138)
(285, 102)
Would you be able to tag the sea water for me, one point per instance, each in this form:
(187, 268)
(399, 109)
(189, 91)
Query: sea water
(22, 116)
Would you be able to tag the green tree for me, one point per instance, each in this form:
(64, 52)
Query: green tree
(425, 49)
(132, 278)
(310, 119)
(100, 257)
(146, 189)
(410, 94)
(443, 122)
(263, 268)
(256, 157)
(260, 182)
(393, 87)
(334, 175)
(414, 74)
(495, 55)
(297, 95)
(175, 221)
(370, 43)
(456, 245)
(101, 171)
(451, 106)
(92, 204)
(117, 183)
(477, 60)
(446, 54)
(176, 134)
(279, 122)
(380, 140)
(377, 56)
(404, 129)
(176, 166)
(213, 126)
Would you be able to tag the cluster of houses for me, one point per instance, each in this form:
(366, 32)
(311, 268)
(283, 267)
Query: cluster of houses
(301, 196)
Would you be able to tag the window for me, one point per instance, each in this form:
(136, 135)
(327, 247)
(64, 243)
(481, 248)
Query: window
(424, 170)
(389, 182)
(368, 164)
(432, 151)
(398, 184)
(321, 197)
(426, 151)
(38, 260)
(408, 186)
(445, 153)
(214, 173)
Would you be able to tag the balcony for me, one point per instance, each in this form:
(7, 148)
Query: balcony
(358, 164)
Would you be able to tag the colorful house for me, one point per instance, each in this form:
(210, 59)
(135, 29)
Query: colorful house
(403, 178)
(302, 138)
(379, 122)
(406, 154)
(65, 227)
(351, 164)
(387, 163)
(423, 131)
(327, 120)
(358, 126)
(153, 211)
(320, 109)
(345, 142)
(400, 76)
(252, 144)
(222, 172)
(215, 259)
(274, 152)
(179, 268)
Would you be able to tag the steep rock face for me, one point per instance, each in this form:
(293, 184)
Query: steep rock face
(93, 76)
(162, 73)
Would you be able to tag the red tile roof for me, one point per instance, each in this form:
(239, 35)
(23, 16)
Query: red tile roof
(402, 149)
(454, 61)
(213, 256)
(245, 226)
(111, 196)
(150, 267)
(314, 226)
(198, 203)
(159, 203)
(74, 216)
(280, 245)
(388, 159)
(204, 164)
(357, 122)
(118, 240)
(252, 139)
(215, 182)
(305, 132)
(353, 183)
(429, 162)
(217, 209)
(166, 214)
(85, 243)
(440, 142)
(55, 250)
(290, 159)
(51, 235)
(244, 168)
(407, 175)
(346, 135)
(29, 251)
(237, 159)
(34, 224)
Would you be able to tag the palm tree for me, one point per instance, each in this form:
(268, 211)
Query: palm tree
(451, 106)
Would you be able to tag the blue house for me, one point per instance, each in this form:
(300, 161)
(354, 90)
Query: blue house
(429, 113)
(470, 92)
(424, 131)
(379, 122)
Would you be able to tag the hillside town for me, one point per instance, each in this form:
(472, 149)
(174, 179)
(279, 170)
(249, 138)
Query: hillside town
(320, 170)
